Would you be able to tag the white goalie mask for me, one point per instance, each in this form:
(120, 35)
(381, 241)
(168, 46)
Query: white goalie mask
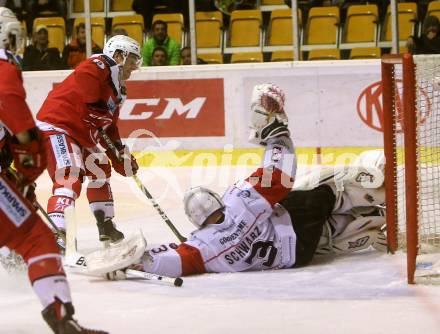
(9, 27)
(200, 203)
(126, 45)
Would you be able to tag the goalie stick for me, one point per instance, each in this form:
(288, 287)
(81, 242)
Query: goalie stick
(112, 146)
(78, 261)
(108, 261)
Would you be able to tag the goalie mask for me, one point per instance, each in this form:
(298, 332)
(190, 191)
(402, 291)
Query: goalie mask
(10, 30)
(200, 203)
(126, 45)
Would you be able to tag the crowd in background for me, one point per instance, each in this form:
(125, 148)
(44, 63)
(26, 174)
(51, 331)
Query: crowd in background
(160, 49)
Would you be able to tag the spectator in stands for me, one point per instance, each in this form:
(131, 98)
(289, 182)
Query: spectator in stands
(148, 8)
(75, 51)
(429, 41)
(119, 31)
(159, 56)
(36, 8)
(160, 38)
(185, 57)
(39, 57)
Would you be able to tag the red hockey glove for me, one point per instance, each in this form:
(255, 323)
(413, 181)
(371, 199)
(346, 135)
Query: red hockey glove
(126, 165)
(29, 159)
(97, 117)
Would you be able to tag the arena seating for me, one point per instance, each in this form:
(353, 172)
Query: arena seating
(322, 29)
(365, 53)
(211, 58)
(56, 29)
(95, 6)
(247, 57)
(245, 28)
(250, 34)
(120, 5)
(325, 54)
(209, 31)
(279, 30)
(407, 16)
(98, 29)
(281, 56)
(361, 26)
(133, 24)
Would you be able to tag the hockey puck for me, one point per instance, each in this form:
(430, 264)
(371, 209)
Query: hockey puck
(178, 281)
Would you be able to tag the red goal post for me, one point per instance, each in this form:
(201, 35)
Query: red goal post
(411, 122)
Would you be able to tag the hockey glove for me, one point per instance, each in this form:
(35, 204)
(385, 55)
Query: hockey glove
(268, 119)
(97, 116)
(29, 159)
(126, 164)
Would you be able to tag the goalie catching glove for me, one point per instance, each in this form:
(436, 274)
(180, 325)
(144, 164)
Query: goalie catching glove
(124, 164)
(268, 119)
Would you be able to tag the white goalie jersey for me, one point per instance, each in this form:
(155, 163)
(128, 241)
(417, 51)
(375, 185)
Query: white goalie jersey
(256, 233)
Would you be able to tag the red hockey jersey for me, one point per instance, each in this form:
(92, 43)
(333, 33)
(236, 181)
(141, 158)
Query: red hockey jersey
(14, 112)
(95, 83)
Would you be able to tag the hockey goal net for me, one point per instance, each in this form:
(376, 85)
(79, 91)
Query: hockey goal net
(411, 117)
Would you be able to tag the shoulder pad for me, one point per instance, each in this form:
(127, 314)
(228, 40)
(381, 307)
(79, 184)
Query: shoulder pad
(98, 62)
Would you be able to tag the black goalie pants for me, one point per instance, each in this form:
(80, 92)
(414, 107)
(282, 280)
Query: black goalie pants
(308, 209)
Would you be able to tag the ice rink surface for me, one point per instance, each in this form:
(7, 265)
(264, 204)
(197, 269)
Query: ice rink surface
(360, 293)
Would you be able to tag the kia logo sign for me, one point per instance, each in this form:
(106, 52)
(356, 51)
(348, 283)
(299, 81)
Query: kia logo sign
(370, 111)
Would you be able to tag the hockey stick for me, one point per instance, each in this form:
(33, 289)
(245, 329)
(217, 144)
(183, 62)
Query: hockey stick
(149, 276)
(55, 228)
(78, 261)
(50, 221)
(112, 146)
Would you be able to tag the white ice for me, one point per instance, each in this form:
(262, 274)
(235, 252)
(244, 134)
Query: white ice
(359, 293)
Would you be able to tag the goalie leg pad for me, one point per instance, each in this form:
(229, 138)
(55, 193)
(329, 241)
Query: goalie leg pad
(355, 196)
(358, 234)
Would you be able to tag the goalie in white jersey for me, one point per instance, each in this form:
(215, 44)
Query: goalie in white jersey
(245, 229)
(260, 223)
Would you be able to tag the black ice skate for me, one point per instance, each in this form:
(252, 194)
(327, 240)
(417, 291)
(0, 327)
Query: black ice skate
(59, 318)
(107, 229)
(108, 232)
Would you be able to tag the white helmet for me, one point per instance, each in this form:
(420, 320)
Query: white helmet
(9, 25)
(125, 44)
(200, 203)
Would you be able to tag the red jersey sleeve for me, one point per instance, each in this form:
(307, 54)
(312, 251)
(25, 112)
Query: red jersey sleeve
(274, 179)
(112, 130)
(89, 76)
(14, 112)
(192, 261)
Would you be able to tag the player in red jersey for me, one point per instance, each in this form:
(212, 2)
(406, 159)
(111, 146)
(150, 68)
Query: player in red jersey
(21, 229)
(86, 101)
